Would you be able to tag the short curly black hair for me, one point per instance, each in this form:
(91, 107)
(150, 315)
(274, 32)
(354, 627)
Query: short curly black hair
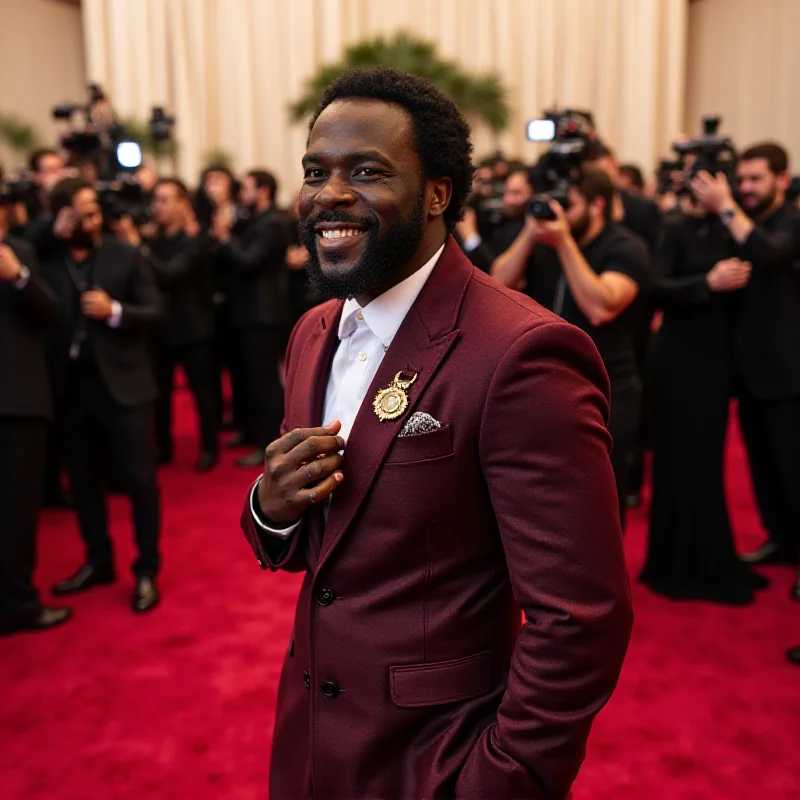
(442, 134)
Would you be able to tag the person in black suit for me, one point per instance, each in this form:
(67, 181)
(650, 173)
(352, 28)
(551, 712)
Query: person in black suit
(253, 254)
(767, 338)
(27, 306)
(179, 259)
(111, 305)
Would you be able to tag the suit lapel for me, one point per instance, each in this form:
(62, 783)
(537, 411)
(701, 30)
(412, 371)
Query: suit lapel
(308, 391)
(423, 341)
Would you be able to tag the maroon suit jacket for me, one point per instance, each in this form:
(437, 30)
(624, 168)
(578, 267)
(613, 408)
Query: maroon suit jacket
(409, 673)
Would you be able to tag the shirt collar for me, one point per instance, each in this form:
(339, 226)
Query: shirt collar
(386, 313)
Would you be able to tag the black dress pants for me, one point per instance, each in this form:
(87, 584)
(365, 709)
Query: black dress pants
(98, 427)
(262, 349)
(22, 460)
(771, 430)
(623, 425)
(197, 360)
(227, 352)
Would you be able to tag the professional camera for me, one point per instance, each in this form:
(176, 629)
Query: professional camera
(669, 177)
(124, 197)
(22, 190)
(103, 139)
(571, 131)
(709, 152)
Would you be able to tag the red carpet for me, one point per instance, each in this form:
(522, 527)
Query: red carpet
(180, 704)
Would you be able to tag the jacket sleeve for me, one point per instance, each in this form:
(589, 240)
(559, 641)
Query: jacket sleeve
(266, 251)
(777, 249)
(668, 290)
(141, 307)
(272, 552)
(37, 300)
(181, 266)
(544, 450)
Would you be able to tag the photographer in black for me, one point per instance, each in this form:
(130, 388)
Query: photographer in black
(588, 270)
(27, 307)
(253, 256)
(767, 337)
(698, 279)
(110, 307)
(178, 256)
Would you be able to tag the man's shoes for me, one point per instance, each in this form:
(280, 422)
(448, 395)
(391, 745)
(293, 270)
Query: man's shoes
(206, 462)
(146, 595)
(255, 459)
(793, 656)
(757, 582)
(240, 439)
(794, 593)
(40, 620)
(85, 578)
(769, 553)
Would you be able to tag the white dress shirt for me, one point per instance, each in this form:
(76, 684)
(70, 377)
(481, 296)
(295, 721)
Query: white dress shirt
(364, 337)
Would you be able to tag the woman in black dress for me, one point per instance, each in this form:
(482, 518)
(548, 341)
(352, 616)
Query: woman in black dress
(696, 277)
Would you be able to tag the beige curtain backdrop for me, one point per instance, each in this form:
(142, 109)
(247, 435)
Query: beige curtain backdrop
(743, 63)
(229, 68)
(41, 62)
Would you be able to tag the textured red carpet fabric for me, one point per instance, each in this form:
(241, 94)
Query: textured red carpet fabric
(180, 704)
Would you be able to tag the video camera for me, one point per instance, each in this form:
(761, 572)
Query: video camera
(124, 197)
(570, 130)
(709, 152)
(103, 139)
(22, 190)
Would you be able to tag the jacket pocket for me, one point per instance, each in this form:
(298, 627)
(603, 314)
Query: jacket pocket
(422, 447)
(416, 685)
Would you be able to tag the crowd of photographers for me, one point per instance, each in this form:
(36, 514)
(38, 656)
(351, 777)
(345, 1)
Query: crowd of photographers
(691, 293)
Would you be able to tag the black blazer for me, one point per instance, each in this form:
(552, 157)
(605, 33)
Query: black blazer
(181, 267)
(121, 354)
(767, 333)
(254, 261)
(24, 314)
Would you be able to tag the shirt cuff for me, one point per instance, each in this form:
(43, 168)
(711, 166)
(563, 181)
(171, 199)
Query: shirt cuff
(115, 319)
(283, 533)
(471, 242)
(24, 276)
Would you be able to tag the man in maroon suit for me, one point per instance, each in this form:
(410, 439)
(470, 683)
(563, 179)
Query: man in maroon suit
(444, 464)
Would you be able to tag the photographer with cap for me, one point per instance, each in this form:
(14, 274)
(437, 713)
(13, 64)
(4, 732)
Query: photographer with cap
(588, 270)
(767, 337)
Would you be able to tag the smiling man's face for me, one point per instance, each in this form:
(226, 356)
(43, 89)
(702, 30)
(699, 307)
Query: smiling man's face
(363, 206)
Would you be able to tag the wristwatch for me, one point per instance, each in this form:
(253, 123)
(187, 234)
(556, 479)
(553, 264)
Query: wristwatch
(727, 215)
(22, 279)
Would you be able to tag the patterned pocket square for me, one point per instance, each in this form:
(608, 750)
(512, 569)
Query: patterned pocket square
(418, 423)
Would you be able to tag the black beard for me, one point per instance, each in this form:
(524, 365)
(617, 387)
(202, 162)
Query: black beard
(762, 206)
(383, 256)
(80, 240)
(579, 228)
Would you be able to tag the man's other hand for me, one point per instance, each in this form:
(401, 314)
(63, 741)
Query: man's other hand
(96, 304)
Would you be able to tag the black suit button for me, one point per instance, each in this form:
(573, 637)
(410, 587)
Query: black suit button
(325, 596)
(330, 690)
(307, 679)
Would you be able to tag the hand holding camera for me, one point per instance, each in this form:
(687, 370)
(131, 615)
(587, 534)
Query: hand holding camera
(713, 191)
(10, 268)
(64, 225)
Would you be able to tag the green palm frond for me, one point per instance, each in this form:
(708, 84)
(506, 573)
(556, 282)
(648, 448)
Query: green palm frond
(20, 136)
(482, 97)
